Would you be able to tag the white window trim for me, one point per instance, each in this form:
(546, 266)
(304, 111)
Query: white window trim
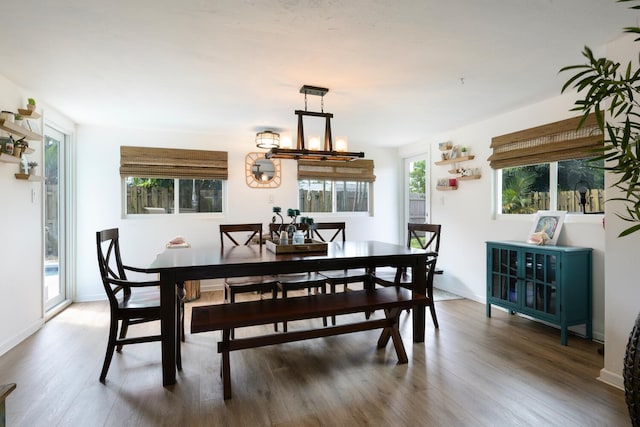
(125, 215)
(572, 217)
(334, 201)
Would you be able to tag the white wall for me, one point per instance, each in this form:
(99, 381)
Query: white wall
(467, 216)
(623, 288)
(21, 253)
(100, 199)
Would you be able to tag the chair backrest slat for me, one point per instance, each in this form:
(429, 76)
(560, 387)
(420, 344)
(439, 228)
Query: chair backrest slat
(110, 263)
(427, 235)
(231, 232)
(338, 229)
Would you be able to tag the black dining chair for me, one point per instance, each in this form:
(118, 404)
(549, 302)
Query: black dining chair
(130, 302)
(424, 236)
(247, 235)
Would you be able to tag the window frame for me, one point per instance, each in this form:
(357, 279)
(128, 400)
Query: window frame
(176, 202)
(334, 202)
(576, 217)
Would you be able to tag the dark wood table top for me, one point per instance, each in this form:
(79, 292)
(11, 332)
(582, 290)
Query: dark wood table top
(213, 262)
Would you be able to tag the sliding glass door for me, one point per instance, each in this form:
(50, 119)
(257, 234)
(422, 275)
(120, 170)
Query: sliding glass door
(54, 218)
(416, 195)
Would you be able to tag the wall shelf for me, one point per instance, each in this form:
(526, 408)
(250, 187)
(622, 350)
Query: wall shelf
(455, 160)
(468, 178)
(19, 131)
(28, 114)
(8, 158)
(28, 177)
(446, 188)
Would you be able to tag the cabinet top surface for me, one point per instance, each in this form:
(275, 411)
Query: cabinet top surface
(531, 246)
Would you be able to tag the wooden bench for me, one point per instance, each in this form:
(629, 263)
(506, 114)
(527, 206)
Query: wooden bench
(225, 317)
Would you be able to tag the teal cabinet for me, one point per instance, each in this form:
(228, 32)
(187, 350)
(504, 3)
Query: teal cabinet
(549, 283)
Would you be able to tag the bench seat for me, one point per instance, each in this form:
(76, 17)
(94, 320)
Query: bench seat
(226, 317)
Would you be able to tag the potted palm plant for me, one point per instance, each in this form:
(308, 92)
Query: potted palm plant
(611, 91)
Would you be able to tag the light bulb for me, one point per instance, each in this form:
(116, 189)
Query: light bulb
(314, 143)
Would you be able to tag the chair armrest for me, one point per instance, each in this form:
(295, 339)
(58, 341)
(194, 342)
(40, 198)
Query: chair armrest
(132, 284)
(136, 269)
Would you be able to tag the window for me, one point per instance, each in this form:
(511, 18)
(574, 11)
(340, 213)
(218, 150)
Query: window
(528, 189)
(550, 167)
(172, 181)
(333, 196)
(158, 196)
(334, 186)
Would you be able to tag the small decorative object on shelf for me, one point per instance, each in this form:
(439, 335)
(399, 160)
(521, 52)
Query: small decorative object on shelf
(32, 167)
(20, 146)
(445, 146)
(7, 116)
(467, 173)
(17, 119)
(7, 145)
(447, 184)
(31, 104)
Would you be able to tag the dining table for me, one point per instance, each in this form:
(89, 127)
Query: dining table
(177, 265)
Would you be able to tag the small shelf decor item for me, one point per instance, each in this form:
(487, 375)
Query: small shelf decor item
(31, 104)
(447, 184)
(32, 167)
(445, 146)
(546, 229)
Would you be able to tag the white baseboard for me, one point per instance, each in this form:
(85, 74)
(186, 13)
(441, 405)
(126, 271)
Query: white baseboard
(611, 378)
(21, 336)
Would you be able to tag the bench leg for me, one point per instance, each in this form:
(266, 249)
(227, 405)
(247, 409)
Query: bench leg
(394, 333)
(226, 368)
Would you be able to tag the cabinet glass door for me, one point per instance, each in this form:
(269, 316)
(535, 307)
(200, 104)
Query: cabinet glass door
(540, 282)
(504, 275)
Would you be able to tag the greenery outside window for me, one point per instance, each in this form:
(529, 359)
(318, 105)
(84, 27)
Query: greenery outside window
(528, 189)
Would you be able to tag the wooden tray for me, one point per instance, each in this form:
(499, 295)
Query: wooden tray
(308, 246)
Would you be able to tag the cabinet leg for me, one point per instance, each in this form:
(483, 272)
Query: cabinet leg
(563, 334)
(488, 310)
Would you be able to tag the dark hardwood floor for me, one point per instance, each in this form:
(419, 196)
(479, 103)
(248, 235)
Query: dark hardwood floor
(473, 371)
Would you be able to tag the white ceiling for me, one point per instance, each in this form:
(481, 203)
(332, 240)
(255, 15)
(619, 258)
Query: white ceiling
(397, 70)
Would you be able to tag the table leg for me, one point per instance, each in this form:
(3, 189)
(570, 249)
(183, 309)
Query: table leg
(168, 327)
(419, 285)
(225, 365)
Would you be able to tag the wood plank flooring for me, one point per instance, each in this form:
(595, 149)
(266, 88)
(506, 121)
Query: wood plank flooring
(473, 371)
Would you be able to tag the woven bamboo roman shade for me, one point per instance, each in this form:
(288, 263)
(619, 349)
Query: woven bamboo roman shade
(547, 143)
(356, 170)
(150, 162)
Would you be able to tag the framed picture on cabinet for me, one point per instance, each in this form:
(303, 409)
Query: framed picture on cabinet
(546, 228)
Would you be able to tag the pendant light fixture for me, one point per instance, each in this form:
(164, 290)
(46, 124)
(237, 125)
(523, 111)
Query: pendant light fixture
(267, 139)
(327, 153)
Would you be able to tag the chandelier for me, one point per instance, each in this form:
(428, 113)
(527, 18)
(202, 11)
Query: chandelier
(315, 150)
